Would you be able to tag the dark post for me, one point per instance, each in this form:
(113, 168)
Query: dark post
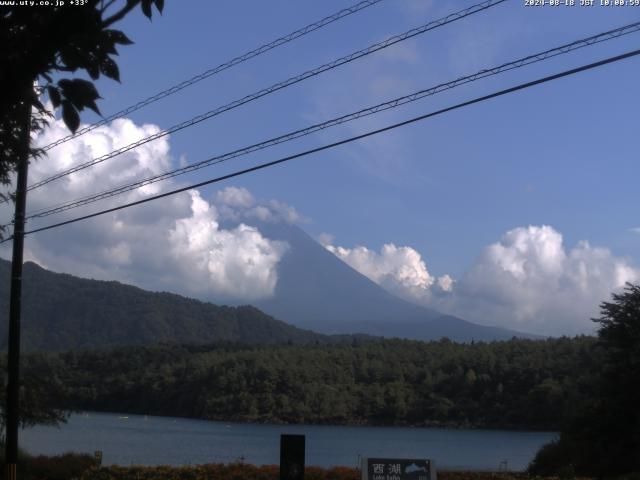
(13, 366)
(292, 457)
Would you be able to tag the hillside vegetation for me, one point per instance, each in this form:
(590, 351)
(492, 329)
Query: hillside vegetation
(63, 312)
(514, 384)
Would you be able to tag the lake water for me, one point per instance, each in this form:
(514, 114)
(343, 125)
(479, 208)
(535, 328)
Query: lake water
(141, 440)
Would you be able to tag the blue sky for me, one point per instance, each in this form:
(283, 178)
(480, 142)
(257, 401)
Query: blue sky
(562, 155)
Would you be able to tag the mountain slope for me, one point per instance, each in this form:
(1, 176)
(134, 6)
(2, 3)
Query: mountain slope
(316, 290)
(61, 312)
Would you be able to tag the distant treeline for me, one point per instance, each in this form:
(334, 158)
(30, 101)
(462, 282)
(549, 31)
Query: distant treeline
(531, 384)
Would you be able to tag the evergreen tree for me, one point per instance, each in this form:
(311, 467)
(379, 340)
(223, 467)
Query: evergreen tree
(603, 436)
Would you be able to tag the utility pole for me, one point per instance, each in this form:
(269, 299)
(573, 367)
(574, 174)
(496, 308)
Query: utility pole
(13, 365)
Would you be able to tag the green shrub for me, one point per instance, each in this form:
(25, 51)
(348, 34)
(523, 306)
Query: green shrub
(59, 467)
(551, 460)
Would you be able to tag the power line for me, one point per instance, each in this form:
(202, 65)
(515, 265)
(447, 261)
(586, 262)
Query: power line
(220, 68)
(279, 86)
(499, 93)
(521, 62)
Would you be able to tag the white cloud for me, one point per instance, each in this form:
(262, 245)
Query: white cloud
(237, 263)
(400, 270)
(446, 283)
(527, 281)
(635, 230)
(174, 244)
(238, 204)
(326, 239)
(120, 253)
(235, 197)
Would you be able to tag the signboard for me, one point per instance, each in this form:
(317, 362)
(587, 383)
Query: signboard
(398, 469)
(292, 449)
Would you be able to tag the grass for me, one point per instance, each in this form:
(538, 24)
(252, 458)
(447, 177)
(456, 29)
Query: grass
(73, 466)
(238, 471)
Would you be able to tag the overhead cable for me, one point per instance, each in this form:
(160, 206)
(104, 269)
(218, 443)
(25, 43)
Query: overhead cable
(220, 68)
(506, 91)
(279, 86)
(396, 102)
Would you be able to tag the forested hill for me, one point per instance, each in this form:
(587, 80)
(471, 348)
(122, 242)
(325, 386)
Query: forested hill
(518, 383)
(62, 312)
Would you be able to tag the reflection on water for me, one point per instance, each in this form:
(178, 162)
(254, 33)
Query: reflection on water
(146, 440)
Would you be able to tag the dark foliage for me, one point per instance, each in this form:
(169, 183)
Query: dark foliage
(519, 383)
(243, 471)
(59, 467)
(550, 461)
(618, 426)
(38, 43)
(40, 390)
(63, 312)
(602, 437)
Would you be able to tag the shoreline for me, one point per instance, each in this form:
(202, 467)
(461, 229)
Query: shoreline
(133, 439)
(426, 425)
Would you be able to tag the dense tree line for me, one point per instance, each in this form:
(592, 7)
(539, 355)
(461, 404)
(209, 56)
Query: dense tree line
(514, 384)
(601, 435)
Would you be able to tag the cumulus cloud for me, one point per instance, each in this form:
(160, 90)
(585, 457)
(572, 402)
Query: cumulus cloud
(527, 281)
(237, 204)
(148, 159)
(400, 270)
(445, 282)
(234, 197)
(237, 263)
(214, 249)
(326, 239)
(174, 244)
